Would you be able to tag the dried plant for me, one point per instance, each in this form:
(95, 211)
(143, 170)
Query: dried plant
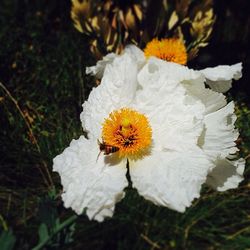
(111, 25)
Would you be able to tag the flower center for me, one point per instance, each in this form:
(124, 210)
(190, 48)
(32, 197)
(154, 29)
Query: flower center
(127, 130)
(172, 50)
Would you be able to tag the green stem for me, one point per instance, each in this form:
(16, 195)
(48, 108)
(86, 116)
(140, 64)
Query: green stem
(66, 223)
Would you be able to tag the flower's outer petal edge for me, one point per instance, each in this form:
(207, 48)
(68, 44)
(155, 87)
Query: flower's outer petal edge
(212, 100)
(132, 50)
(220, 78)
(90, 183)
(170, 179)
(219, 134)
(137, 54)
(218, 137)
(227, 174)
(172, 71)
(99, 68)
(117, 90)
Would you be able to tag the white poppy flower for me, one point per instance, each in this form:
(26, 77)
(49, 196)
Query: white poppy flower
(159, 116)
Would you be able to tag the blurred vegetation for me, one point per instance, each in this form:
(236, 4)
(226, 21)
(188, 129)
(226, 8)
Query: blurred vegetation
(112, 24)
(42, 62)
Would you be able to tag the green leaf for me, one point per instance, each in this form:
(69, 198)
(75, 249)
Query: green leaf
(45, 133)
(47, 212)
(43, 232)
(7, 240)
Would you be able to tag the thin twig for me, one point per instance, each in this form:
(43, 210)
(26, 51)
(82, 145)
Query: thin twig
(31, 134)
(247, 157)
(3, 222)
(20, 111)
(238, 232)
(150, 242)
(195, 221)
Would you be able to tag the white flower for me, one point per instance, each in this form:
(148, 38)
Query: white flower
(183, 135)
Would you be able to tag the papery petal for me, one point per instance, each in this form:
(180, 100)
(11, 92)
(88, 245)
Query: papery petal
(137, 54)
(219, 135)
(132, 50)
(227, 174)
(169, 71)
(99, 68)
(220, 78)
(170, 179)
(212, 100)
(176, 117)
(96, 185)
(117, 90)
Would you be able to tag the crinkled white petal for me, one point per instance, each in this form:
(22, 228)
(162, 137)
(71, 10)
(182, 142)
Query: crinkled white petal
(176, 117)
(96, 185)
(170, 179)
(212, 100)
(137, 54)
(227, 174)
(132, 50)
(171, 71)
(117, 90)
(99, 68)
(219, 135)
(220, 78)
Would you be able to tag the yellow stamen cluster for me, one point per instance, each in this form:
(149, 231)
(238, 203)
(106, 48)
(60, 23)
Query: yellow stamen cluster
(128, 130)
(171, 50)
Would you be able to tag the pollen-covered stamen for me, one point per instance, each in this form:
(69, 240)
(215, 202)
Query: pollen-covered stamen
(126, 135)
(171, 50)
(128, 130)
